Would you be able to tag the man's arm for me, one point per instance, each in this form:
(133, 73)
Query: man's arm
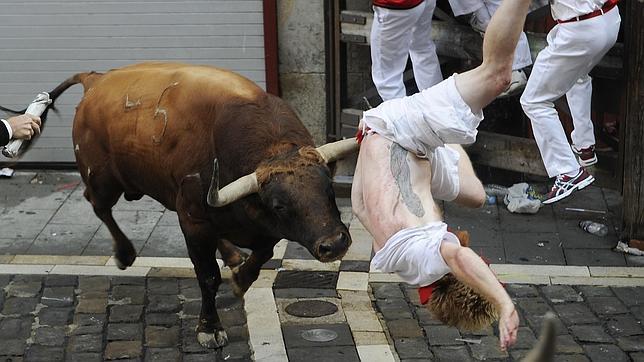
(471, 270)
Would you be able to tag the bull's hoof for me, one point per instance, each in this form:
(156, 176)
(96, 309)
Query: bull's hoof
(122, 262)
(239, 286)
(213, 340)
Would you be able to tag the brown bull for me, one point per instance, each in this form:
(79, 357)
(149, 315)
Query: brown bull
(175, 132)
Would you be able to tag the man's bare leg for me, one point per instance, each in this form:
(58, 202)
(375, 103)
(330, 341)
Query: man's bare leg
(480, 86)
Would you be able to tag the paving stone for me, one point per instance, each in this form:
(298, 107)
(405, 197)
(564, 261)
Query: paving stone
(189, 343)
(293, 335)
(412, 348)
(631, 344)
(606, 305)
(638, 312)
(393, 309)
(488, 349)
(233, 317)
(123, 349)
(239, 350)
(157, 336)
(566, 344)
(425, 317)
(237, 333)
(192, 307)
(594, 257)
(19, 306)
(441, 335)
(125, 313)
(58, 296)
(534, 311)
(163, 355)
(15, 328)
(50, 336)
(124, 331)
(200, 357)
(575, 313)
(387, 290)
(521, 290)
(630, 296)
(23, 289)
(605, 353)
(323, 354)
(404, 328)
(78, 330)
(134, 294)
(168, 286)
(55, 316)
(89, 319)
(530, 251)
(561, 294)
(591, 333)
(12, 347)
(165, 319)
(297, 251)
(93, 283)
(637, 357)
(92, 306)
(38, 353)
(594, 291)
(86, 343)
(570, 358)
(163, 303)
(272, 264)
(525, 338)
(355, 265)
(127, 281)
(84, 357)
(623, 325)
(451, 353)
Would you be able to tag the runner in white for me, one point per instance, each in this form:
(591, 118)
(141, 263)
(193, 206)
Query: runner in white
(402, 29)
(586, 30)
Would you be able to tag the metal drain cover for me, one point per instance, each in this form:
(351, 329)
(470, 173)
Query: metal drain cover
(319, 335)
(311, 308)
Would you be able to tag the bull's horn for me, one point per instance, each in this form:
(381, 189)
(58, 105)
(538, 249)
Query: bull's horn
(232, 192)
(336, 150)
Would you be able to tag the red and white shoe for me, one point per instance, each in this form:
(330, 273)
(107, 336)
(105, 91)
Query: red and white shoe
(566, 185)
(586, 156)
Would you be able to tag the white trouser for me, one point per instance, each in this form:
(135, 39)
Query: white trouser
(394, 35)
(522, 56)
(562, 68)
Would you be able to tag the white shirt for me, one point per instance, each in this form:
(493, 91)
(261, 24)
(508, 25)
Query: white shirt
(568, 9)
(8, 128)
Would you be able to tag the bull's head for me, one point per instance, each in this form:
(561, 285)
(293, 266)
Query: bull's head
(298, 193)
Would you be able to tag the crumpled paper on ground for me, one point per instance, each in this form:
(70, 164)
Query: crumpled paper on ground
(521, 199)
(623, 247)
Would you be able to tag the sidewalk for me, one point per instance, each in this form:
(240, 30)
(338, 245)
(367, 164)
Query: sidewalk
(53, 248)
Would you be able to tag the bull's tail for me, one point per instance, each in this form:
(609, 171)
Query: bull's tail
(544, 350)
(87, 79)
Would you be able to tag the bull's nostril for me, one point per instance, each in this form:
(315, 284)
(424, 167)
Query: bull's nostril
(325, 249)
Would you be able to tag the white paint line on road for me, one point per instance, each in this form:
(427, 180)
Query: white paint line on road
(25, 269)
(264, 329)
(375, 353)
(132, 271)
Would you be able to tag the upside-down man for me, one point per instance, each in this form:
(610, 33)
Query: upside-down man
(405, 162)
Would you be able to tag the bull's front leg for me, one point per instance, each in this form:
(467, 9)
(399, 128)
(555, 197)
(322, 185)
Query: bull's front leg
(245, 274)
(202, 247)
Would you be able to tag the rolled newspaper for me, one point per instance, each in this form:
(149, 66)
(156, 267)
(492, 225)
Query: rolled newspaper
(36, 108)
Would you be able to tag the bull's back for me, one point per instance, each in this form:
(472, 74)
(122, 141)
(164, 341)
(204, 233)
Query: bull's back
(150, 124)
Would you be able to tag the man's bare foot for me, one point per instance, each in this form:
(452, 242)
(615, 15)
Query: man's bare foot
(508, 326)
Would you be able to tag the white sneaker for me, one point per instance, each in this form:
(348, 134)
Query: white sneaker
(517, 84)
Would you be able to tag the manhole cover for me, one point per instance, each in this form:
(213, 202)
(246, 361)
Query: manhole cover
(305, 279)
(311, 308)
(319, 335)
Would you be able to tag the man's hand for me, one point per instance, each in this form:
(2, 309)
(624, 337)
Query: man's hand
(24, 126)
(508, 326)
